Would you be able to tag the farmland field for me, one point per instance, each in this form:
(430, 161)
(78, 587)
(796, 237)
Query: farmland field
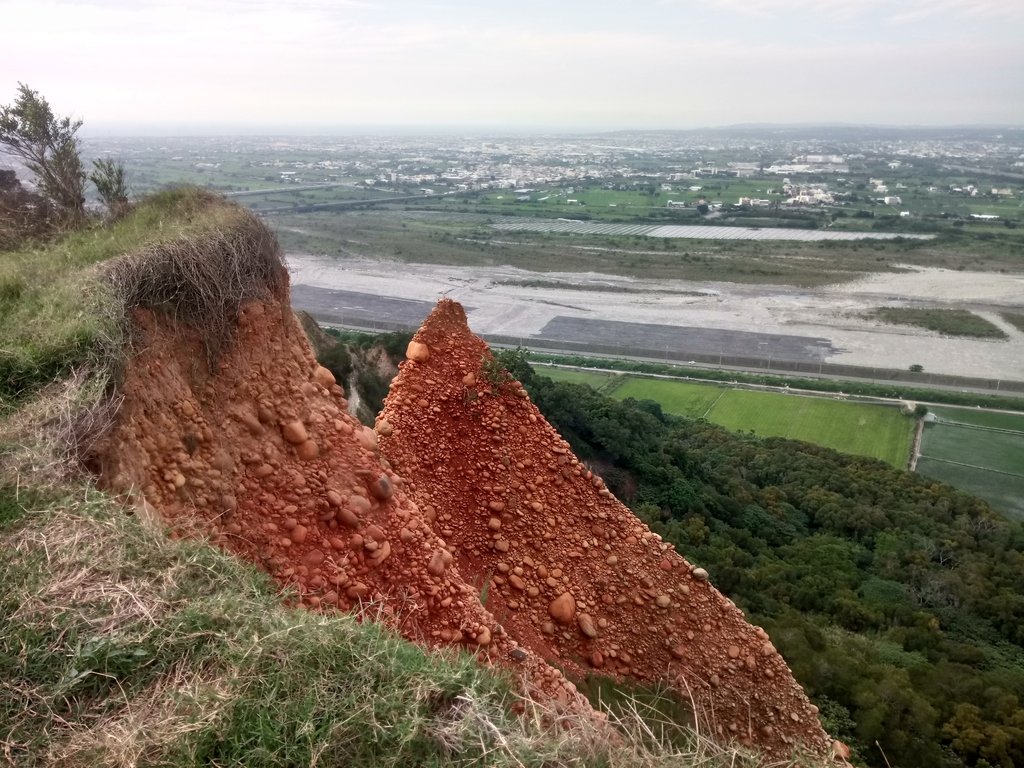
(980, 452)
(980, 418)
(679, 397)
(877, 431)
(594, 379)
(866, 430)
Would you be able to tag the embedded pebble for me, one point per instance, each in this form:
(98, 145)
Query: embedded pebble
(417, 351)
(294, 432)
(586, 625)
(563, 608)
(382, 488)
(308, 450)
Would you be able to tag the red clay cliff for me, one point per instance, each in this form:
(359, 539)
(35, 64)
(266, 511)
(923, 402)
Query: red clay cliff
(468, 488)
(574, 576)
(260, 454)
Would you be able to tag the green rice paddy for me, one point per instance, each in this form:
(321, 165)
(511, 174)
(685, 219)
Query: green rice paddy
(863, 429)
(981, 452)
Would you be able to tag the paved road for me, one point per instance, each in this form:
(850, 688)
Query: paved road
(363, 309)
(290, 188)
(691, 231)
(338, 306)
(689, 340)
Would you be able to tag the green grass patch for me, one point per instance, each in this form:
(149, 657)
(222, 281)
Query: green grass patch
(858, 428)
(13, 503)
(678, 397)
(1004, 493)
(594, 379)
(1016, 319)
(862, 429)
(950, 322)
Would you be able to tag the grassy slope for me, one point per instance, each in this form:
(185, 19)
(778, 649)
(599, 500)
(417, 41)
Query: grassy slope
(119, 646)
(118, 642)
(54, 312)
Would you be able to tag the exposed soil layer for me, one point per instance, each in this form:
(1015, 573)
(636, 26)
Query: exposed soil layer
(570, 572)
(260, 455)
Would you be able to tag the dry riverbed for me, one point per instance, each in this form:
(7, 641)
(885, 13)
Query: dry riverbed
(827, 322)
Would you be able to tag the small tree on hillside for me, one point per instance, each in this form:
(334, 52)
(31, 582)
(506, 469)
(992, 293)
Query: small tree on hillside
(47, 144)
(108, 176)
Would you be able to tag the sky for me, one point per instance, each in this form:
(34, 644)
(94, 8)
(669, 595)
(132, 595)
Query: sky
(253, 65)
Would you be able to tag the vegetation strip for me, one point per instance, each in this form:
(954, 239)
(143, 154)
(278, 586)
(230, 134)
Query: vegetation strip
(875, 431)
(950, 322)
(1016, 319)
(894, 391)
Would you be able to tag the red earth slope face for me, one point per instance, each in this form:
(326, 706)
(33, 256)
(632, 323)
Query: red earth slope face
(259, 454)
(573, 574)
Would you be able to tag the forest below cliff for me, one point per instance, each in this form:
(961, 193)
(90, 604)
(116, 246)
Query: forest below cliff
(897, 601)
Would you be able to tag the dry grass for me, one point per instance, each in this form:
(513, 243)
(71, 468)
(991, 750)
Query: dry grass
(48, 438)
(121, 647)
(201, 280)
(181, 703)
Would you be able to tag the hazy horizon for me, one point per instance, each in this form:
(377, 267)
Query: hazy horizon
(252, 65)
(226, 130)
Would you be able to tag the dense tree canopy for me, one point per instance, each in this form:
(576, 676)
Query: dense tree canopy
(898, 601)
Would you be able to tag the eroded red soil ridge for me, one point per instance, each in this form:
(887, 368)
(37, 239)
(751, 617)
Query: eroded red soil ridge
(572, 574)
(260, 455)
